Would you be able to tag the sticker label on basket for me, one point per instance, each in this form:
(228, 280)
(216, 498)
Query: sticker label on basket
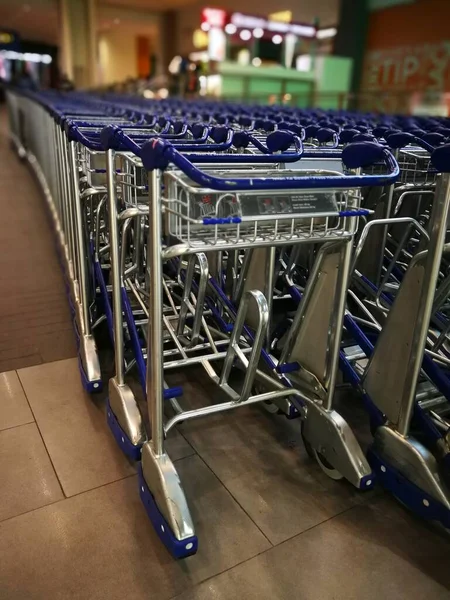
(313, 202)
(297, 203)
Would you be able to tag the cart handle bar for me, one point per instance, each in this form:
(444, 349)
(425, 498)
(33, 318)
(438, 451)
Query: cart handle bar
(277, 142)
(158, 153)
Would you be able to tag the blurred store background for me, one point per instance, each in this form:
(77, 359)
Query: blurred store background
(380, 55)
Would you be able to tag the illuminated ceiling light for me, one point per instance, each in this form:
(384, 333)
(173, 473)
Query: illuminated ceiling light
(230, 29)
(28, 56)
(256, 62)
(175, 64)
(245, 35)
(116, 21)
(258, 32)
(277, 39)
(323, 34)
(205, 26)
(32, 57)
(200, 39)
(283, 16)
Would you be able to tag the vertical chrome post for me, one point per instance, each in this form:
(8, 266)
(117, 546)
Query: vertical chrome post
(337, 322)
(438, 231)
(269, 291)
(80, 240)
(115, 269)
(155, 375)
(387, 214)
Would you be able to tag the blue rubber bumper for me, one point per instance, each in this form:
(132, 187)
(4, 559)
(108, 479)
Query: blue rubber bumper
(178, 548)
(408, 493)
(124, 442)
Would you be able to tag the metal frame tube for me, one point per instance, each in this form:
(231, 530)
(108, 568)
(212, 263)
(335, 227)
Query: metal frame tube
(438, 231)
(115, 267)
(155, 376)
(81, 246)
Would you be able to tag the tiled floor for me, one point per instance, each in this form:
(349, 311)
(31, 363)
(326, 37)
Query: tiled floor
(34, 316)
(270, 524)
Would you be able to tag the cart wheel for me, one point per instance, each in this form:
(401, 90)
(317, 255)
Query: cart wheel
(268, 406)
(325, 466)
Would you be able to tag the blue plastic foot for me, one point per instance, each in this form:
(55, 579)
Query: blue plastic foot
(178, 548)
(124, 442)
(368, 482)
(92, 387)
(408, 493)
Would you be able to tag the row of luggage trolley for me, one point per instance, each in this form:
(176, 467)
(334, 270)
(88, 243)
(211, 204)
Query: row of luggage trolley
(284, 251)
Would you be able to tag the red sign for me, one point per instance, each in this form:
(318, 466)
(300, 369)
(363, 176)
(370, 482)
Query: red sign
(408, 68)
(215, 17)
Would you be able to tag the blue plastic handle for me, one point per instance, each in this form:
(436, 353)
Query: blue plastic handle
(158, 154)
(347, 135)
(114, 138)
(221, 221)
(362, 212)
(325, 135)
(277, 141)
(440, 159)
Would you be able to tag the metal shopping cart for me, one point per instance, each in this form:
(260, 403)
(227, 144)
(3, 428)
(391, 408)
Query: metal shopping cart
(224, 236)
(397, 356)
(322, 208)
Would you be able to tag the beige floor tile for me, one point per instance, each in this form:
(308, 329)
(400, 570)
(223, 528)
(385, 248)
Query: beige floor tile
(100, 545)
(14, 408)
(27, 478)
(362, 554)
(73, 425)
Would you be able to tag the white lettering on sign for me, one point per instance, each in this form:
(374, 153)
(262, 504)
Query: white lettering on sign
(250, 22)
(408, 68)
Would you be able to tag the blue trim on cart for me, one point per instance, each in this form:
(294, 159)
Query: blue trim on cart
(92, 387)
(178, 548)
(123, 441)
(408, 493)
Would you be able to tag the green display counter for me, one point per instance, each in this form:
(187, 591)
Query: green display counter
(327, 85)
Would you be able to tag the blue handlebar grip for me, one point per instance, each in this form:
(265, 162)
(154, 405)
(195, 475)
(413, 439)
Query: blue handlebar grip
(362, 154)
(241, 139)
(311, 131)
(245, 121)
(434, 139)
(280, 141)
(179, 127)
(220, 134)
(325, 134)
(364, 137)
(198, 130)
(347, 135)
(400, 140)
(380, 131)
(440, 159)
(286, 126)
